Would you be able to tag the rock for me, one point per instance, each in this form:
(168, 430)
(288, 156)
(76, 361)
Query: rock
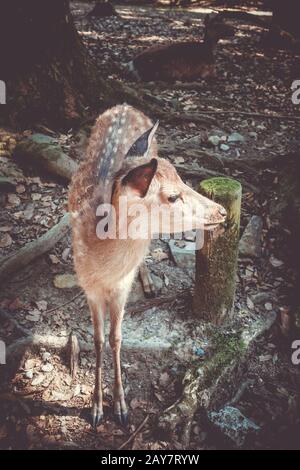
(268, 306)
(158, 283)
(183, 253)
(233, 424)
(28, 374)
(260, 297)
(224, 147)
(46, 356)
(38, 380)
(164, 379)
(214, 140)
(7, 185)
(47, 367)
(29, 364)
(61, 396)
(199, 351)
(266, 357)
(5, 240)
(13, 199)
(190, 235)
(276, 263)
(236, 137)
(250, 242)
(34, 315)
(65, 281)
(29, 211)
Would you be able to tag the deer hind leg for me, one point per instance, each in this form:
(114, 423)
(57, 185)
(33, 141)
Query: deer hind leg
(147, 282)
(98, 316)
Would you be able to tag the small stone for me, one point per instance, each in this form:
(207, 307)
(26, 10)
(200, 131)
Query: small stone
(29, 364)
(199, 352)
(268, 306)
(183, 256)
(6, 184)
(264, 358)
(13, 199)
(276, 263)
(76, 390)
(214, 140)
(36, 196)
(65, 281)
(5, 240)
(236, 137)
(38, 380)
(47, 367)
(164, 379)
(224, 147)
(41, 305)
(233, 424)
(250, 242)
(260, 297)
(28, 212)
(46, 356)
(20, 189)
(34, 315)
(28, 374)
(54, 259)
(61, 396)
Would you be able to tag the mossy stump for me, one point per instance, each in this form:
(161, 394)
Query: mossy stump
(216, 262)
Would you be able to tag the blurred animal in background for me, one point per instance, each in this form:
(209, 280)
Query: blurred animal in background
(185, 61)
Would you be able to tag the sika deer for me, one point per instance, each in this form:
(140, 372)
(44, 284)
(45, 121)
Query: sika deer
(183, 60)
(122, 161)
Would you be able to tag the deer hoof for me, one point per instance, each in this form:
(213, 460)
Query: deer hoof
(122, 418)
(97, 415)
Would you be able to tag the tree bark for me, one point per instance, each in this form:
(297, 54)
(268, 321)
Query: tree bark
(48, 74)
(216, 263)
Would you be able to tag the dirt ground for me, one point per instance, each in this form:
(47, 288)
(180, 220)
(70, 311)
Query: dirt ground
(42, 407)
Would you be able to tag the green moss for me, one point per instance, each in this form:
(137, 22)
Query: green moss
(227, 347)
(221, 186)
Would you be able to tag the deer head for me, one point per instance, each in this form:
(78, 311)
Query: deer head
(152, 192)
(216, 28)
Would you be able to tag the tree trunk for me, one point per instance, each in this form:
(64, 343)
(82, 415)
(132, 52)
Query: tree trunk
(48, 74)
(216, 263)
(285, 15)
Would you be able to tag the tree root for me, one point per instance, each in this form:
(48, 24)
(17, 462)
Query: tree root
(204, 385)
(32, 250)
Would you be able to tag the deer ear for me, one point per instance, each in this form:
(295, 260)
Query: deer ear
(139, 179)
(141, 146)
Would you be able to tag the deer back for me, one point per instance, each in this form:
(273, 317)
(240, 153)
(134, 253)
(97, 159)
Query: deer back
(112, 136)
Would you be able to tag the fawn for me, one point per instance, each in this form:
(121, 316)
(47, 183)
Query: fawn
(122, 161)
(183, 60)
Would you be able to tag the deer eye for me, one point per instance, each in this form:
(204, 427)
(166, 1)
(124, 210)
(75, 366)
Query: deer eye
(173, 198)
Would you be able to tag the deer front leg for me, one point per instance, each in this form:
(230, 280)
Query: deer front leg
(115, 338)
(98, 317)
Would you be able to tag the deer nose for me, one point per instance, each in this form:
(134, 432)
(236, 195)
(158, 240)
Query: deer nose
(222, 211)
